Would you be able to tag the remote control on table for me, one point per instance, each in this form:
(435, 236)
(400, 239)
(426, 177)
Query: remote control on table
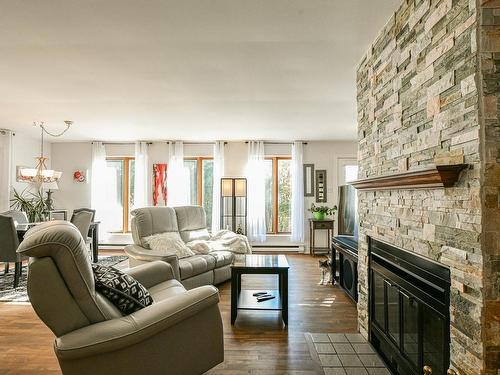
(262, 299)
(259, 294)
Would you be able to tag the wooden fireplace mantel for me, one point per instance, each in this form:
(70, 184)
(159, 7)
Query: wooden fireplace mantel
(435, 177)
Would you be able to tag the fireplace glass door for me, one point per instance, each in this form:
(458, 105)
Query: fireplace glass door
(393, 312)
(409, 323)
(410, 329)
(378, 301)
(433, 337)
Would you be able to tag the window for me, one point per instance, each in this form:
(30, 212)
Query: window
(278, 194)
(350, 172)
(200, 171)
(119, 192)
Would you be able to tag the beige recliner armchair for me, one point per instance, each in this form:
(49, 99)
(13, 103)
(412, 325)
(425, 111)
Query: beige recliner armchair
(180, 333)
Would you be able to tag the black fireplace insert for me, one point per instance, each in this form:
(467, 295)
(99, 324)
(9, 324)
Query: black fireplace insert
(409, 305)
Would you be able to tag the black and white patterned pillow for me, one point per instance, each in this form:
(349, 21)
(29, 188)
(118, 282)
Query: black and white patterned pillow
(122, 290)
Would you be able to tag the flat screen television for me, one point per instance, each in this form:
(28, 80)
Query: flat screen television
(348, 215)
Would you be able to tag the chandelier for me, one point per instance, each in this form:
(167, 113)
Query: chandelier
(41, 174)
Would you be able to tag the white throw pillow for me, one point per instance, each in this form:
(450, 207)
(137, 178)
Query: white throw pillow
(195, 235)
(169, 243)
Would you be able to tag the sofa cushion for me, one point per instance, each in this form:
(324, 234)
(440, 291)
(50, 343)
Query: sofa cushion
(196, 265)
(166, 289)
(192, 223)
(195, 235)
(169, 243)
(152, 220)
(122, 290)
(222, 258)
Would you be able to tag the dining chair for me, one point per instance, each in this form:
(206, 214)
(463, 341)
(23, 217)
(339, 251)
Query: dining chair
(82, 218)
(9, 243)
(18, 216)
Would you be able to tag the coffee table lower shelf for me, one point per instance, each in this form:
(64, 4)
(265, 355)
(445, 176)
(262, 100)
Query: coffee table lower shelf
(246, 300)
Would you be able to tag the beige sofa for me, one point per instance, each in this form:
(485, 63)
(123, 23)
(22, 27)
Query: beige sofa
(190, 223)
(180, 333)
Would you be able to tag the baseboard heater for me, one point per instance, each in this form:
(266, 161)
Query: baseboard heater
(291, 248)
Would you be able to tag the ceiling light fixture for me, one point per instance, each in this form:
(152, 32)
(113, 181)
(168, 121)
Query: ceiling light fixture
(41, 174)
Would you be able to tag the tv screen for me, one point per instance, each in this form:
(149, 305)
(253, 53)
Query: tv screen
(348, 211)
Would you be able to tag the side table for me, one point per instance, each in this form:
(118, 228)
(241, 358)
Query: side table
(315, 225)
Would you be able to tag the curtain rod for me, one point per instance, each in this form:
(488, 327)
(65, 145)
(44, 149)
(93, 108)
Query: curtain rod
(150, 143)
(279, 143)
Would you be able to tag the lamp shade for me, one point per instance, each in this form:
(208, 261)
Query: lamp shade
(227, 187)
(240, 187)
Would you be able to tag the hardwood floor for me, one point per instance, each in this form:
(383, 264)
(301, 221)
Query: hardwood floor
(257, 344)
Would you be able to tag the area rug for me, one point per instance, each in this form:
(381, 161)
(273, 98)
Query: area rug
(19, 294)
(345, 354)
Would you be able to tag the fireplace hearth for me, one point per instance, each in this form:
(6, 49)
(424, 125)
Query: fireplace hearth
(409, 303)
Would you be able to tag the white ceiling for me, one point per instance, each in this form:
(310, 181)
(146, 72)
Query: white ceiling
(185, 69)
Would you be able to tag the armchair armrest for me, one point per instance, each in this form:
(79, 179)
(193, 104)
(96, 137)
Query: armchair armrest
(151, 274)
(116, 334)
(147, 255)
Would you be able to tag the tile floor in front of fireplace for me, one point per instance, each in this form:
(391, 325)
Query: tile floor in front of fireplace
(345, 354)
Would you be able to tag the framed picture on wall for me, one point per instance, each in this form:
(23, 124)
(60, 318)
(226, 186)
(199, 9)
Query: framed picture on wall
(308, 180)
(321, 186)
(160, 184)
(19, 177)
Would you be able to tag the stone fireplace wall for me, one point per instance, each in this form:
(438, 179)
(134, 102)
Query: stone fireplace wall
(489, 111)
(428, 94)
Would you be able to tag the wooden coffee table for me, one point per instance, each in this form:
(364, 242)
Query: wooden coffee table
(260, 264)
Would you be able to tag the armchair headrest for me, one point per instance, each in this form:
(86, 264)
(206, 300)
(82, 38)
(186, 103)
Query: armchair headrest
(62, 242)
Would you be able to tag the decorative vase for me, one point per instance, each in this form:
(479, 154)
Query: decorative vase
(318, 215)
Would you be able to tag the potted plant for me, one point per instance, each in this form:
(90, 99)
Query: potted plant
(319, 212)
(31, 203)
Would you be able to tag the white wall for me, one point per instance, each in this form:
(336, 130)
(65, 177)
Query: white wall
(68, 157)
(326, 155)
(71, 156)
(235, 159)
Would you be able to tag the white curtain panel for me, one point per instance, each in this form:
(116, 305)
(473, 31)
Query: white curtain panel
(99, 181)
(141, 175)
(255, 174)
(218, 173)
(177, 176)
(5, 169)
(297, 193)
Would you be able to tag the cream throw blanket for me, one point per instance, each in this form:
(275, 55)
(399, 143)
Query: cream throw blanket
(223, 240)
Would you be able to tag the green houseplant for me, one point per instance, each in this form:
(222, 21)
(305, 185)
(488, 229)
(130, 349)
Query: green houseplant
(319, 212)
(30, 202)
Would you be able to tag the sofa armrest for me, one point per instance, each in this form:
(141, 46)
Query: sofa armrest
(116, 334)
(139, 253)
(151, 274)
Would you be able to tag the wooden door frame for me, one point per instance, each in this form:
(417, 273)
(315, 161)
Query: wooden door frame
(126, 191)
(275, 160)
(199, 176)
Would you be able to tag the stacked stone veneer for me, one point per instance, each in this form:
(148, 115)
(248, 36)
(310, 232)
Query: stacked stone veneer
(428, 93)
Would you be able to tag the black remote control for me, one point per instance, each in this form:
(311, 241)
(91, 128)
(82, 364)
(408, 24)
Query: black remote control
(259, 294)
(262, 299)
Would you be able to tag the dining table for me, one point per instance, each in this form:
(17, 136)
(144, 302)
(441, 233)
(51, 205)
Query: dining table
(22, 228)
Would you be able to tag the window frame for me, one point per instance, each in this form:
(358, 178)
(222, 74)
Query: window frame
(126, 191)
(275, 161)
(199, 176)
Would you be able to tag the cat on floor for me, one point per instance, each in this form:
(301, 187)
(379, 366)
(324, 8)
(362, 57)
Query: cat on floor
(326, 271)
